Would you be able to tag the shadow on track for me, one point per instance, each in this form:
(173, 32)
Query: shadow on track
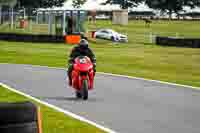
(73, 99)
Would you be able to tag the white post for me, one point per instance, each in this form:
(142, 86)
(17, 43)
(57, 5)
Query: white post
(50, 23)
(30, 25)
(64, 23)
(0, 14)
(177, 35)
(24, 13)
(151, 38)
(37, 19)
(12, 18)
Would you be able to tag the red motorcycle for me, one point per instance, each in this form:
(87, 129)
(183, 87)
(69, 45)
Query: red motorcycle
(82, 76)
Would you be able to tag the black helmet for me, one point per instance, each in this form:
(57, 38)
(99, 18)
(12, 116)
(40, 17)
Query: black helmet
(83, 43)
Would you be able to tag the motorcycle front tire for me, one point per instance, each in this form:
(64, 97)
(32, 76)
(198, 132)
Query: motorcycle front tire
(85, 89)
(78, 95)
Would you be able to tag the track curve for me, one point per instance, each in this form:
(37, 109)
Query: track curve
(122, 104)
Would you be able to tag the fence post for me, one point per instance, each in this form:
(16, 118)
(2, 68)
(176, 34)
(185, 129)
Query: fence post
(0, 14)
(24, 13)
(151, 37)
(177, 35)
(12, 18)
(64, 23)
(37, 18)
(50, 23)
(154, 38)
(30, 24)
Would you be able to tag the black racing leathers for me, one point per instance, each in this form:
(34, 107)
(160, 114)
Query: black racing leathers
(80, 51)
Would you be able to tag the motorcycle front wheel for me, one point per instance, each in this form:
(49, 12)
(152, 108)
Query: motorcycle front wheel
(78, 95)
(85, 89)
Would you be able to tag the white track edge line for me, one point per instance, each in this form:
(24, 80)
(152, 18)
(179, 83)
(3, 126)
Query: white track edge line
(150, 80)
(80, 118)
(117, 75)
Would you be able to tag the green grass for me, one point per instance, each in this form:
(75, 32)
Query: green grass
(30, 29)
(137, 58)
(179, 65)
(52, 121)
(170, 28)
(135, 29)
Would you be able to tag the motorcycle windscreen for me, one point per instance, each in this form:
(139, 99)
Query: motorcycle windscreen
(83, 64)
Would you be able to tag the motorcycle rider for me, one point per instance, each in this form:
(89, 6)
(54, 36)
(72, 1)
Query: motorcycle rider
(81, 50)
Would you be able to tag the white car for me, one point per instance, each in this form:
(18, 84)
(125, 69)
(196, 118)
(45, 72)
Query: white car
(103, 17)
(110, 35)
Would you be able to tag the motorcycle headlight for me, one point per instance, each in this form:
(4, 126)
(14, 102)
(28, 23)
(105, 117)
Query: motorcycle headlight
(83, 61)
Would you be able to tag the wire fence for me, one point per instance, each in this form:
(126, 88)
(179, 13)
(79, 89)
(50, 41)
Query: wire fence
(18, 21)
(59, 22)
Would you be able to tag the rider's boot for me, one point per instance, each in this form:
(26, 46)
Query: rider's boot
(70, 81)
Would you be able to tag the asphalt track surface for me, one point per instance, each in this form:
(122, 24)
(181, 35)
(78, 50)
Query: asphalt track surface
(122, 104)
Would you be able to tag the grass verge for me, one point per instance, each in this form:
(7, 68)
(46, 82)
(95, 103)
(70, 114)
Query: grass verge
(52, 121)
(137, 58)
(171, 64)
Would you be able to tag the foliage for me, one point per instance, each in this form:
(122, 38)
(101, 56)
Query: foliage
(10, 3)
(40, 3)
(124, 3)
(78, 3)
(171, 6)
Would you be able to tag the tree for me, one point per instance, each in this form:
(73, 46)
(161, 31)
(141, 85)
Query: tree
(171, 6)
(40, 3)
(31, 5)
(10, 3)
(124, 4)
(78, 3)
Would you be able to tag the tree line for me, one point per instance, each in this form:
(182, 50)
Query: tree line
(169, 6)
(39, 3)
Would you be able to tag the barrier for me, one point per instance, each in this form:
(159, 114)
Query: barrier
(31, 38)
(72, 39)
(20, 118)
(178, 42)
